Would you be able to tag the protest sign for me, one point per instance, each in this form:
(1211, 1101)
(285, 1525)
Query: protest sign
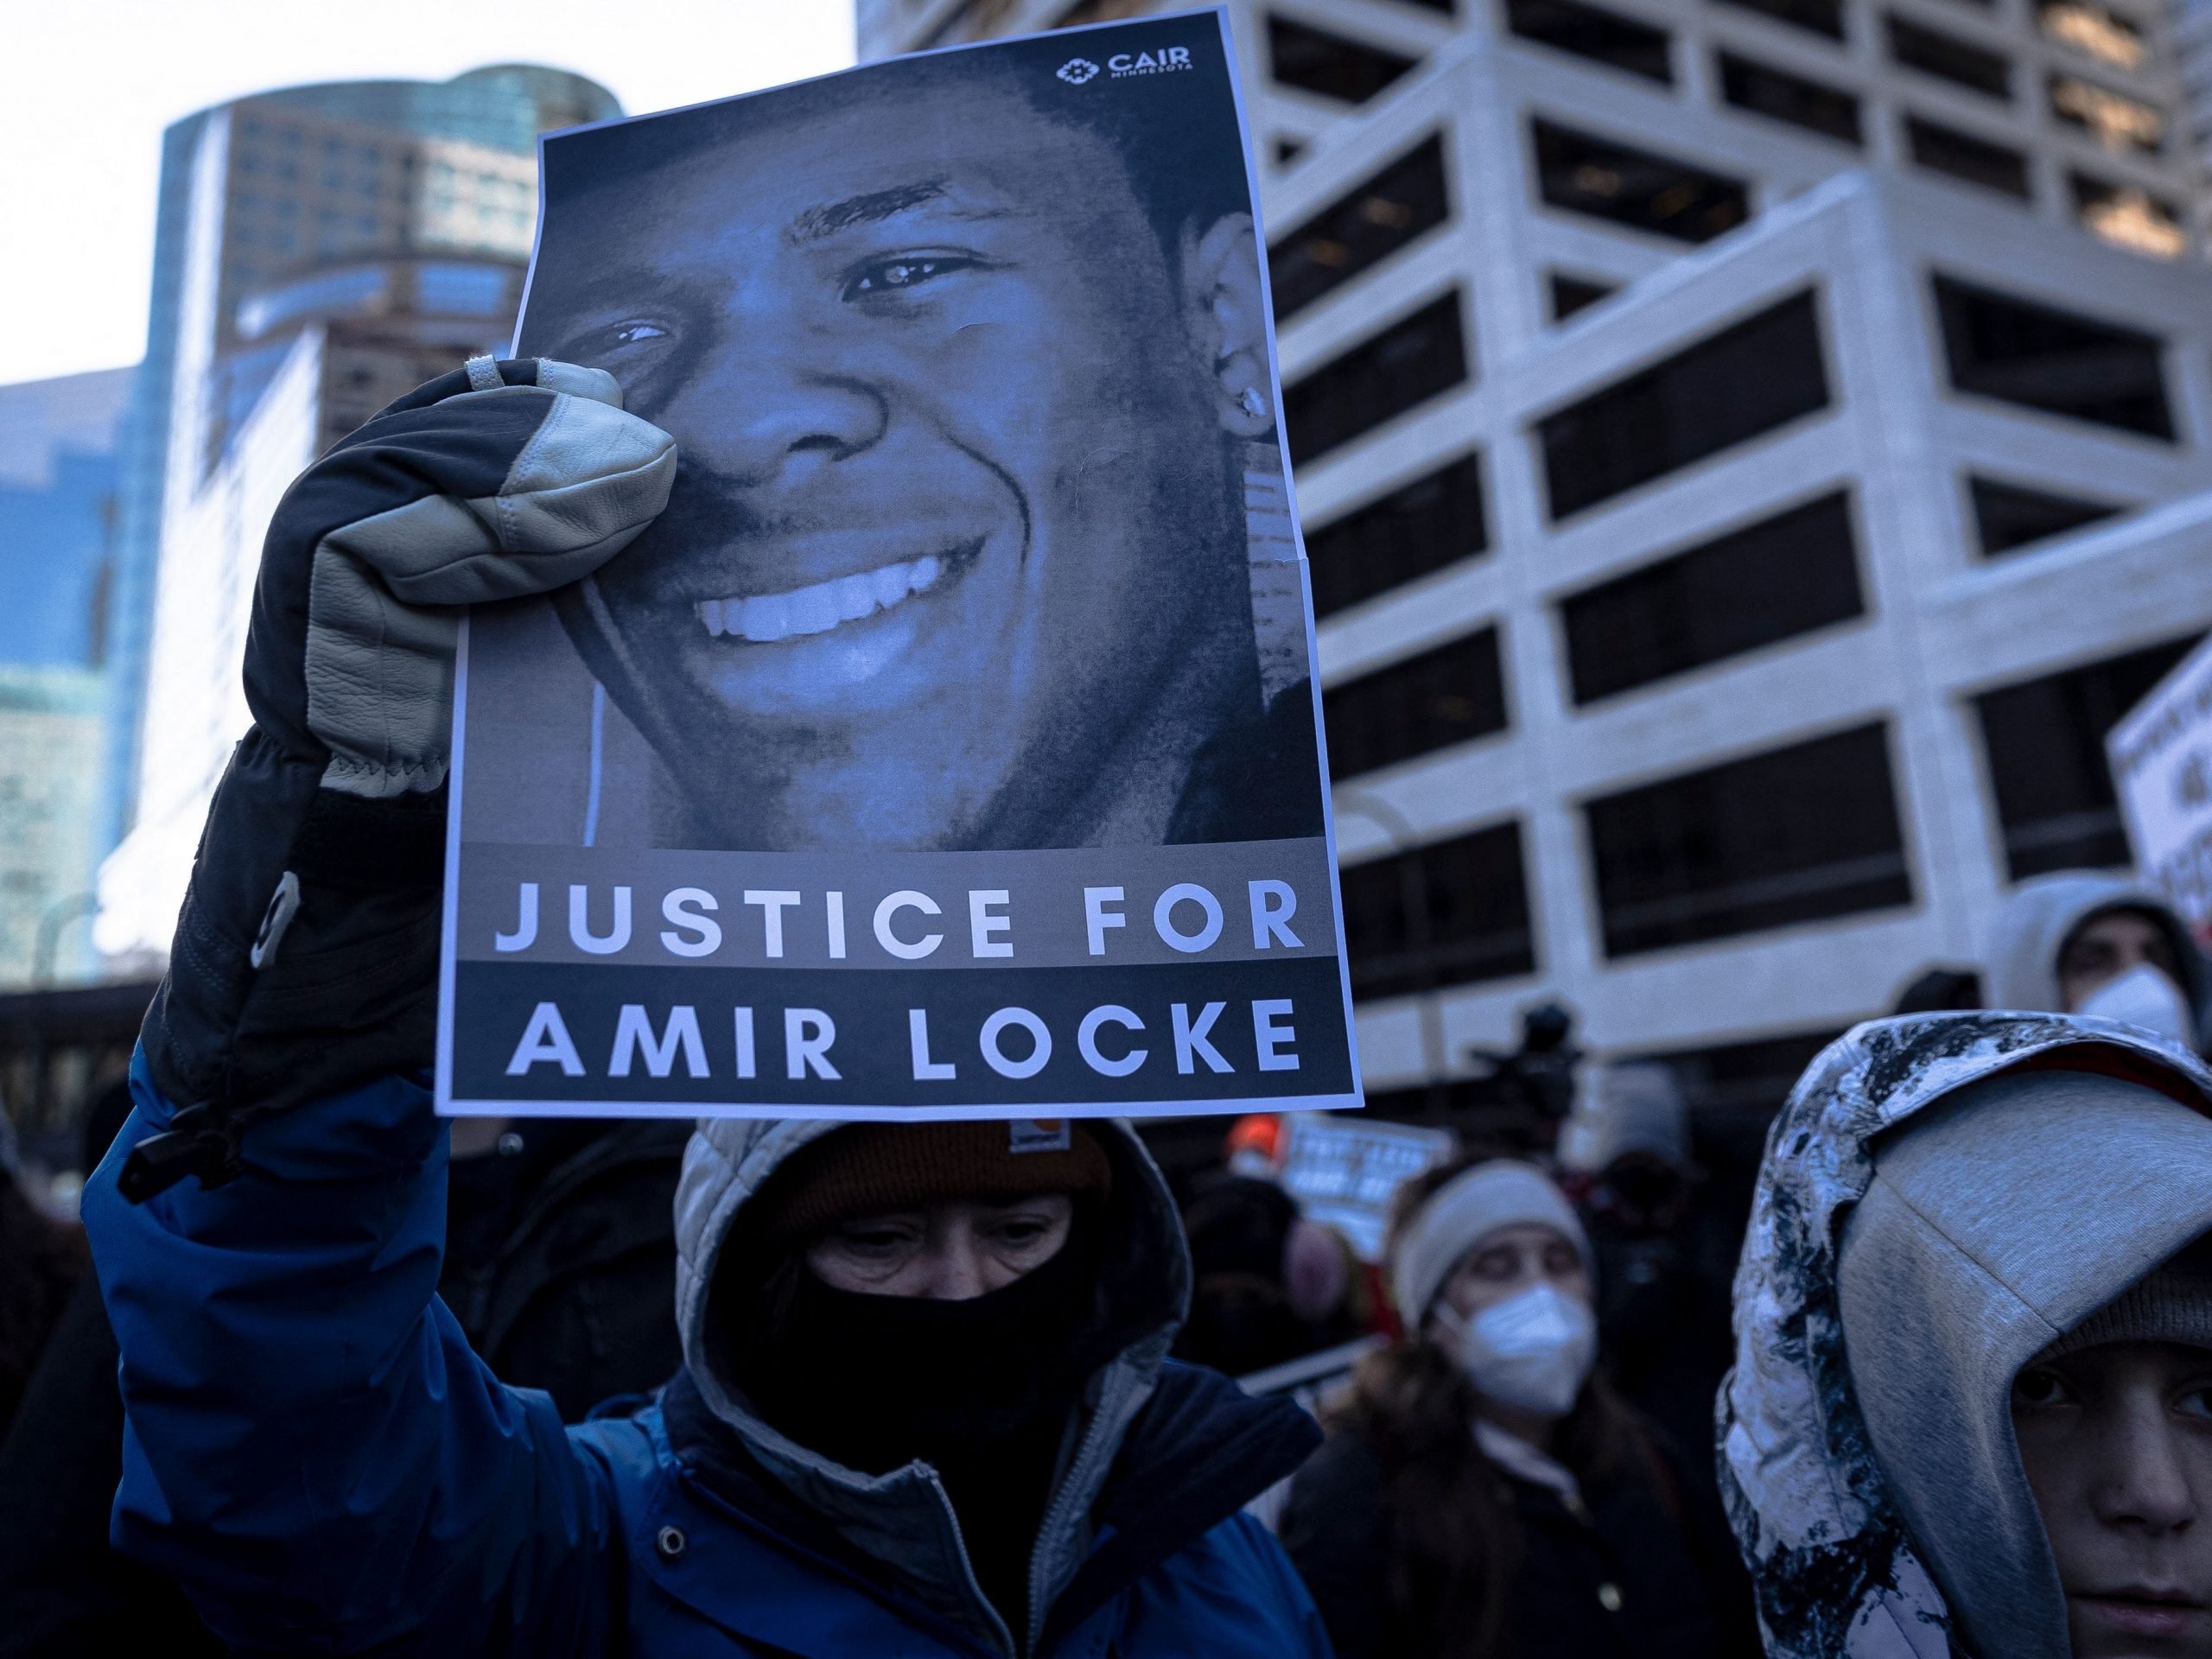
(949, 746)
(2161, 758)
(1346, 1172)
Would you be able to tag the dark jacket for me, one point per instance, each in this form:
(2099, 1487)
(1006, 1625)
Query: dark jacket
(41, 1262)
(1633, 1572)
(316, 1455)
(563, 1282)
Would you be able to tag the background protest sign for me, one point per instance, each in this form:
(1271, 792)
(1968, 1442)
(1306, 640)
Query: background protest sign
(1346, 1172)
(2161, 757)
(949, 746)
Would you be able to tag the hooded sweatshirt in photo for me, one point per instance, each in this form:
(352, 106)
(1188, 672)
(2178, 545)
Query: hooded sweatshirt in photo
(1942, 1195)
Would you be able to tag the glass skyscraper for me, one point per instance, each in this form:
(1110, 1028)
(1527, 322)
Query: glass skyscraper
(379, 228)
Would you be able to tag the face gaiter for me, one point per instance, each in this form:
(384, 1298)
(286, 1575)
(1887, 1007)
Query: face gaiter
(981, 1390)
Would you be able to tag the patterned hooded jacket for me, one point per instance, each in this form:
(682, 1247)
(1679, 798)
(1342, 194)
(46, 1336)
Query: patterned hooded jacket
(1837, 1571)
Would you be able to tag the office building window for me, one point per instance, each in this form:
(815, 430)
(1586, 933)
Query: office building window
(1415, 359)
(1949, 57)
(1634, 188)
(1784, 576)
(1781, 96)
(1100, 12)
(2045, 743)
(1946, 150)
(1725, 390)
(2022, 353)
(1360, 229)
(973, 20)
(1436, 520)
(1802, 834)
(2129, 216)
(1451, 913)
(2093, 31)
(1451, 694)
(1819, 16)
(2116, 123)
(1329, 65)
(1573, 294)
(2009, 517)
(1590, 32)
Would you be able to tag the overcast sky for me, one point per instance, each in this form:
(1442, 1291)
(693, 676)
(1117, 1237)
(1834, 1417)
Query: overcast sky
(86, 86)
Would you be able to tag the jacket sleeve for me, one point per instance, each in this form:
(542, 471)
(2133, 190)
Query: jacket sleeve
(1332, 1528)
(309, 1447)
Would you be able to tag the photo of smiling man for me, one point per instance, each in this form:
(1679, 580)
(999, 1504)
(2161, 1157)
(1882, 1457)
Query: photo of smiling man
(965, 367)
(976, 597)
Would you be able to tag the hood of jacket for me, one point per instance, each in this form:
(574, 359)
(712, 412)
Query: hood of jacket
(2039, 915)
(1863, 1487)
(903, 1519)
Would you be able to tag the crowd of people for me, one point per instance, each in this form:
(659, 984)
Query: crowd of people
(932, 1393)
(367, 1385)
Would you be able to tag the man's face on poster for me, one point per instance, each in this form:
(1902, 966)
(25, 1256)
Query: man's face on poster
(956, 503)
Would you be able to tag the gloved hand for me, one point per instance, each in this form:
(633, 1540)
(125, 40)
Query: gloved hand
(306, 955)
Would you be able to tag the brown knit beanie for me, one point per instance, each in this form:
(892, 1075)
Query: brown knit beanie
(2161, 1306)
(872, 1169)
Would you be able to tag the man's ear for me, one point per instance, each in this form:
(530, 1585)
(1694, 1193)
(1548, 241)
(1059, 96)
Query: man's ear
(1226, 310)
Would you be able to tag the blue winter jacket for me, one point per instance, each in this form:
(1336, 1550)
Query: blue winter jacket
(314, 1453)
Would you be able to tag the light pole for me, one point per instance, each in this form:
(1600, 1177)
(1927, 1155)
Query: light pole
(1412, 898)
(55, 917)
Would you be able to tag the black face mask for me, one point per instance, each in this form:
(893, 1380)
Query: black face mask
(874, 1381)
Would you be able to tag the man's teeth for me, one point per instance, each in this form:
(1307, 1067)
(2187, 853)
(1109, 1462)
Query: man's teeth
(766, 617)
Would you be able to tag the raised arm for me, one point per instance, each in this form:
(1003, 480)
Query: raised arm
(311, 1449)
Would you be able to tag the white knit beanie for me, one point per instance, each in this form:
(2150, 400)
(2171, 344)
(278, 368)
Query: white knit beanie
(1464, 1210)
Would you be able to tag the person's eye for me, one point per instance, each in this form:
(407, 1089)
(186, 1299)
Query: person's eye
(1020, 1232)
(615, 339)
(1495, 1265)
(2041, 1389)
(1561, 1259)
(901, 272)
(874, 1243)
(2195, 1400)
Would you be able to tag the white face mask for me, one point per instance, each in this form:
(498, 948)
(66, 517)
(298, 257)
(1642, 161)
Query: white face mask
(2146, 999)
(1533, 1351)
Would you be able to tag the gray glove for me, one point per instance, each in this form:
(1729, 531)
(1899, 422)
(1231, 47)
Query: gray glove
(305, 956)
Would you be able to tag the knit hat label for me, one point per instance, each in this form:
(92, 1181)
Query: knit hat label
(1038, 1134)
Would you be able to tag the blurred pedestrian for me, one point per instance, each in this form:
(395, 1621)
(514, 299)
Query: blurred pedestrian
(1940, 990)
(1973, 1378)
(40, 1261)
(1482, 1493)
(2087, 942)
(1663, 1261)
(1269, 1285)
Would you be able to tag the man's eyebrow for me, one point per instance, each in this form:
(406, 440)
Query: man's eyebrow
(875, 205)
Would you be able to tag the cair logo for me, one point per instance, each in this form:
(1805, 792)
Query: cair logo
(1148, 63)
(1077, 71)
